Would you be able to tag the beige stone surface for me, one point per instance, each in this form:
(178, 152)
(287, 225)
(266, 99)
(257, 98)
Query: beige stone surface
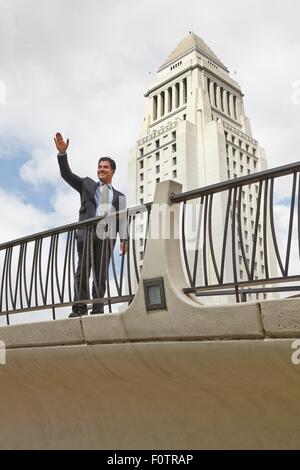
(190, 42)
(48, 333)
(188, 377)
(179, 321)
(281, 317)
(156, 395)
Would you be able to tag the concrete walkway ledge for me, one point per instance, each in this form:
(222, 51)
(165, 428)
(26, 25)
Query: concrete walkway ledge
(49, 333)
(281, 318)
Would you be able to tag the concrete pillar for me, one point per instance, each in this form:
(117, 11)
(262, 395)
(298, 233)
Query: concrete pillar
(224, 96)
(231, 105)
(162, 104)
(173, 97)
(181, 100)
(158, 105)
(166, 101)
(238, 109)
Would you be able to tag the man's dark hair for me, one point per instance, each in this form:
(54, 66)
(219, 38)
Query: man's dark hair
(112, 163)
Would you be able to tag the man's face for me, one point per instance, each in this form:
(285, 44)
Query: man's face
(104, 172)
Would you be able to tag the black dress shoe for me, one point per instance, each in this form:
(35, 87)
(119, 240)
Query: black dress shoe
(77, 314)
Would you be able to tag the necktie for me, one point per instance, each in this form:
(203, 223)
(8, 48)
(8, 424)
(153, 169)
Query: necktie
(104, 199)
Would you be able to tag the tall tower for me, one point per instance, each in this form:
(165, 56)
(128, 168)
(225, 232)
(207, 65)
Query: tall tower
(195, 129)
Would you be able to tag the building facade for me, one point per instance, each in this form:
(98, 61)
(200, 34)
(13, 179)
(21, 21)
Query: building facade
(195, 131)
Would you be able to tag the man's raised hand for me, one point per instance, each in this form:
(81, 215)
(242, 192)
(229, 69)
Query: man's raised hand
(61, 145)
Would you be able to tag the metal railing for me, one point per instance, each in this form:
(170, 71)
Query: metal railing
(237, 248)
(240, 238)
(38, 272)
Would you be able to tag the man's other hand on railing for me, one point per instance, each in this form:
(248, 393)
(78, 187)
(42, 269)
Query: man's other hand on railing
(123, 247)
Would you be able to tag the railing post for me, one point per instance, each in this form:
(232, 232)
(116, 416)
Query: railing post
(162, 257)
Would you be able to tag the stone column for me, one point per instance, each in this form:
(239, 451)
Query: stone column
(173, 97)
(181, 97)
(225, 101)
(158, 105)
(238, 109)
(166, 101)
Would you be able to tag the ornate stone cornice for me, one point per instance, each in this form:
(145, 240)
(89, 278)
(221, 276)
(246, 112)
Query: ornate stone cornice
(239, 133)
(184, 73)
(157, 133)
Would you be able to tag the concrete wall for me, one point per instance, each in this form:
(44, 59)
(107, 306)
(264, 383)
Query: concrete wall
(151, 395)
(113, 382)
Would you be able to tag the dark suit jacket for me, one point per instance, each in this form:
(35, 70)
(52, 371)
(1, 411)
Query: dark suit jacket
(87, 190)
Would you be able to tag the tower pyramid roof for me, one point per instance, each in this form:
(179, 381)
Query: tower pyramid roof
(188, 44)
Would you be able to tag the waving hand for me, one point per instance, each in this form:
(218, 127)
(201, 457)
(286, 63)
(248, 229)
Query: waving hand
(61, 145)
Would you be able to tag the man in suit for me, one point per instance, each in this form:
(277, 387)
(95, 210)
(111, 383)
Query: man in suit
(97, 199)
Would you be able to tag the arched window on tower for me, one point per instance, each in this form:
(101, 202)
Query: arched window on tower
(162, 103)
(177, 91)
(170, 99)
(228, 103)
(184, 90)
(154, 107)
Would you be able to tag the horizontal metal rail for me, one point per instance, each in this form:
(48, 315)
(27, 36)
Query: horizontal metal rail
(250, 291)
(131, 211)
(237, 182)
(238, 240)
(198, 290)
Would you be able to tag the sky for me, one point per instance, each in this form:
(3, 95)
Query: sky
(82, 67)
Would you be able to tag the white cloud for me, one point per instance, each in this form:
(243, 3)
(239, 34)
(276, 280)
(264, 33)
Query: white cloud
(2, 92)
(66, 204)
(296, 92)
(19, 218)
(83, 69)
(40, 169)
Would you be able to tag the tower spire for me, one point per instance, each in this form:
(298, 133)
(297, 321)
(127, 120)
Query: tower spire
(190, 43)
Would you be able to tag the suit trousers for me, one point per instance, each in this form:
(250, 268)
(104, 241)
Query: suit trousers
(92, 256)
